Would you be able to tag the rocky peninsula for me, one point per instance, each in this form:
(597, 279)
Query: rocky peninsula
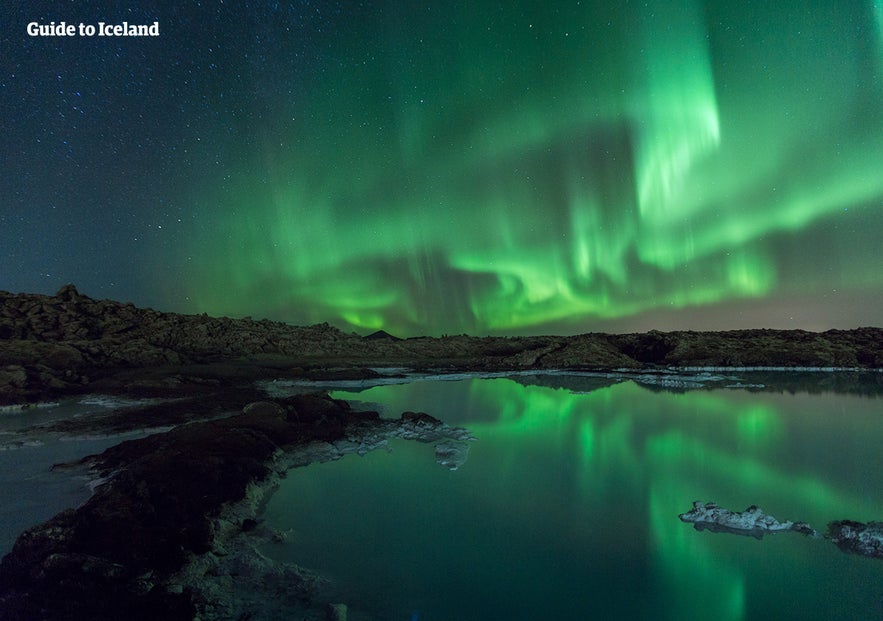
(162, 536)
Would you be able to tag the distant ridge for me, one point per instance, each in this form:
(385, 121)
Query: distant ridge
(382, 334)
(51, 346)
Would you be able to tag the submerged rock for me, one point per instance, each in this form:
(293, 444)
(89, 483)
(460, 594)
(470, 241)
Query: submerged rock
(752, 522)
(451, 453)
(336, 612)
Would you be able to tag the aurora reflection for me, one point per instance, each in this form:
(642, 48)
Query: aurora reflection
(568, 504)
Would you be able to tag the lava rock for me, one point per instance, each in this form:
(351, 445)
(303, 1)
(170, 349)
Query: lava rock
(861, 538)
(153, 512)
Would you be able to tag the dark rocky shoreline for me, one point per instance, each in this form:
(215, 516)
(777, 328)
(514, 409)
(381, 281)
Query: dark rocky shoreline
(139, 547)
(52, 346)
(164, 509)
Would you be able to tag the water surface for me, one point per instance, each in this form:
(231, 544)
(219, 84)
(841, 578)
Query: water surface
(567, 507)
(31, 491)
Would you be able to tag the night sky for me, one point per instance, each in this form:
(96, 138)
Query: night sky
(430, 167)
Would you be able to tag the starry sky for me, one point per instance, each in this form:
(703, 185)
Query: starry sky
(512, 167)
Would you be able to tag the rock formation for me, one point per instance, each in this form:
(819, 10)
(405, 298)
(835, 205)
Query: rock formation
(752, 522)
(864, 539)
(145, 545)
(66, 343)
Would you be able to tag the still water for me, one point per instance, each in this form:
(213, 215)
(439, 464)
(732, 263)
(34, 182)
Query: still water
(567, 507)
(31, 491)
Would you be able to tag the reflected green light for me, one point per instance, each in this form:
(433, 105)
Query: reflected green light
(606, 433)
(692, 455)
(754, 422)
(587, 437)
(758, 425)
(621, 453)
(522, 166)
(701, 584)
(877, 8)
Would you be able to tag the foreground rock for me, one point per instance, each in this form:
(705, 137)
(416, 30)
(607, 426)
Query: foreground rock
(67, 343)
(144, 545)
(752, 522)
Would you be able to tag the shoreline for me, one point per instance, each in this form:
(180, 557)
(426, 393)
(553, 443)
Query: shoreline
(69, 344)
(645, 375)
(301, 428)
(259, 581)
(167, 509)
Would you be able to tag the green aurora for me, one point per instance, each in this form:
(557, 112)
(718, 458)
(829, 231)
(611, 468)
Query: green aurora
(521, 167)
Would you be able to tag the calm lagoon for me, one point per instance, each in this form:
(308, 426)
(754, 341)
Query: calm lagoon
(567, 507)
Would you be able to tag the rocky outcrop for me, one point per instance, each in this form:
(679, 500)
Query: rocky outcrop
(62, 343)
(140, 547)
(56, 345)
(752, 522)
(382, 334)
(865, 539)
(862, 347)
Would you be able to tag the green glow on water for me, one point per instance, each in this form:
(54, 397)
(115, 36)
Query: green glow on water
(877, 8)
(699, 583)
(606, 434)
(576, 483)
(678, 451)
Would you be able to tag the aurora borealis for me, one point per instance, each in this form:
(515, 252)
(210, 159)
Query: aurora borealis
(447, 167)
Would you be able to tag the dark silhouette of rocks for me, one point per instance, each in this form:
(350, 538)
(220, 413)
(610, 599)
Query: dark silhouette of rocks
(862, 347)
(68, 343)
(382, 334)
(121, 554)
